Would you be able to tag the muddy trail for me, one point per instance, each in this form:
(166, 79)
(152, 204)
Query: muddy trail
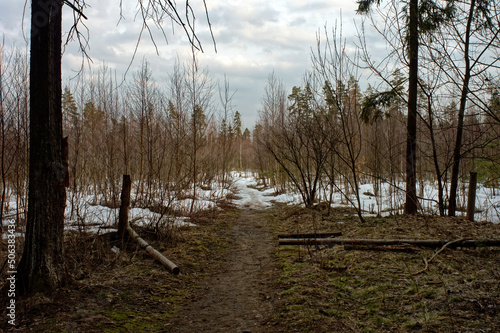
(242, 295)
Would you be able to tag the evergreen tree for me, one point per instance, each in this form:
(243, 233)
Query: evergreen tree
(423, 18)
(69, 108)
(237, 124)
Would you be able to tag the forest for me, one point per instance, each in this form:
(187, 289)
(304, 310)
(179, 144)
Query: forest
(405, 145)
(326, 135)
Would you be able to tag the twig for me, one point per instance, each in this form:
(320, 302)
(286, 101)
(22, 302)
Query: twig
(69, 4)
(426, 268)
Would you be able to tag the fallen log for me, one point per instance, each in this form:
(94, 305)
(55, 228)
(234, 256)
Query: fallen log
(311, 235)
(124, 225)
(154, 253)
(431, 243)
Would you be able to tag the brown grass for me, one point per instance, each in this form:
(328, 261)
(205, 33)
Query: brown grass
(374, 290)
(323, 289)
(128, 291)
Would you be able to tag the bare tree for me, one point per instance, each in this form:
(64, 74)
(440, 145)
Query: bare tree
(199, 92)
(226, 130)
(341, 94)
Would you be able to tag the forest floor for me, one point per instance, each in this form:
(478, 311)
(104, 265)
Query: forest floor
(235, 278)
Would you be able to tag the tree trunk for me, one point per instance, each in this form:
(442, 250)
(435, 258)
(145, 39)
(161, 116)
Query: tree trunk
(41, 267)
(411, 204)
(452, 205)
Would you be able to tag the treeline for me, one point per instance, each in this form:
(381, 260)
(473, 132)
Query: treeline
(173, 136)
(322, 141)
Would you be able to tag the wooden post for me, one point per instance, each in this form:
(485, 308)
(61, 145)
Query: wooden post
(471, 200)
(124, 206)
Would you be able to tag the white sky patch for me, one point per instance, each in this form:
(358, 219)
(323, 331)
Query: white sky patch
(253, 39)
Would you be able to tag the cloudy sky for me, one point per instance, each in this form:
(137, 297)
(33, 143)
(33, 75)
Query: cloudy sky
(253, 38)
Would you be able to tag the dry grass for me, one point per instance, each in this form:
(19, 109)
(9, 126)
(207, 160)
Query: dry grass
(374, 290)
(128, 291)
(323, 289)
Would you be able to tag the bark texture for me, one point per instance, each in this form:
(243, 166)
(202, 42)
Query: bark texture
(41, 268)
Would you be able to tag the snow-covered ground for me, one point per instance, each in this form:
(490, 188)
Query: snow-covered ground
(84, 215)
(249, 195)
(389, 201)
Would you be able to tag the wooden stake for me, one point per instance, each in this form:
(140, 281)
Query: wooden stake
(124, 206)
(471, 200)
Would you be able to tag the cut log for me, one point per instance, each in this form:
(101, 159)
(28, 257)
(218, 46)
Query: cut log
(311, 235)
(154, 253)
(124, 226)
(432, 243)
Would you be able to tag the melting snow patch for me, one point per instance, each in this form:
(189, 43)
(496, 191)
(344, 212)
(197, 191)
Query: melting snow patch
(250, 197)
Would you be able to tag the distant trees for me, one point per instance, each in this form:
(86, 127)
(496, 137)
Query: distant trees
(13, 131)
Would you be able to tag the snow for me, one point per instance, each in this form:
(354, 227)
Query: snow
(85, 215)
(248, 195)
(390, 199)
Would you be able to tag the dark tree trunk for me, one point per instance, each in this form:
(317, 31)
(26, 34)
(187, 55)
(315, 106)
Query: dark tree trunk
(457, 155)
(411, 204)
(41, 267)
(124, 206)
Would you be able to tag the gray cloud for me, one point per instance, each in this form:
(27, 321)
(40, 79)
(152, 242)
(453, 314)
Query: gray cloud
(253, 39)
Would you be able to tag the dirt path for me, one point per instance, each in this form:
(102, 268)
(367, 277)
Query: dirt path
(242, 295)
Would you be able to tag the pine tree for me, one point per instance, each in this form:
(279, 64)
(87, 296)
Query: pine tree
(69, 108)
